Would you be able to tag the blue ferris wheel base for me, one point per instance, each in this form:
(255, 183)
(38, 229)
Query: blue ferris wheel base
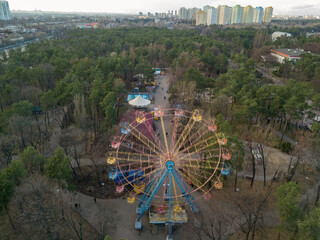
(171, 174)
(169, 238)
(138, 225)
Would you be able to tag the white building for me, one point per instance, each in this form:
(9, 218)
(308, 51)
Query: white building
(275, 35)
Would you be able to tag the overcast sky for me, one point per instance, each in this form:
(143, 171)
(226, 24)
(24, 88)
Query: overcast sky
(291, 7)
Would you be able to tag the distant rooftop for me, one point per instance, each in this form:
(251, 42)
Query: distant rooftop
(289, 52)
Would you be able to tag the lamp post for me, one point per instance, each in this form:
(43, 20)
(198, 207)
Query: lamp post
(102, 189)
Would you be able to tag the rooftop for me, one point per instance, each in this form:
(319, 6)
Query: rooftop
(289, 52)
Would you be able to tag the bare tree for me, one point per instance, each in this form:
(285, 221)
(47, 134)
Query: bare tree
(295, 160)
(43, 211)
(37, 212)
(96, 167)
(213, 225)
(107, 219)
(253, 161)
(7, 146)
(70, 143)
(250, 218)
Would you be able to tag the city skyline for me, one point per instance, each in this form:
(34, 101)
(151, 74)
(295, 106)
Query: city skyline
(283, 7)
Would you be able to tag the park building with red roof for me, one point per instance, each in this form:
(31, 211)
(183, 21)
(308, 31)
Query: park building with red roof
(283, 54)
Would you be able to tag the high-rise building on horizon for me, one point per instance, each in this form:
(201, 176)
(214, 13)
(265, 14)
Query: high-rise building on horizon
(247, 16)
(183, 13)
(237, 12)
(5, 13)
(257, 15)
(267, 15)
(192, 12)
(225, 13)
(201, 18)
(212, 16)
(206, 8)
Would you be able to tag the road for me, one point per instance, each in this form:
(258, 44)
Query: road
(161, 100)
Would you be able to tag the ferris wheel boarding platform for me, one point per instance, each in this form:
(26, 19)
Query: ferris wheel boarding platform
(161, 218)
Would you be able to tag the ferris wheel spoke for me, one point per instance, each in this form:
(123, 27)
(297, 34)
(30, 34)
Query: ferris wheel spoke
(205, 143)
(125, 166)
(190, 178)
(190, 157)
(195, 137)
(135, 146)
(184, 133)
(138, 147)
(134, 157)
(140, 178)
(141, 137)
(198, 176)
(155, 137)
(202, 167)
(199, 156)
(174, 189)
(164, 134)
(194, 161)
(174, 132)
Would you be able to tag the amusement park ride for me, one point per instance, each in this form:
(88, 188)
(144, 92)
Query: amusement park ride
(168, 174)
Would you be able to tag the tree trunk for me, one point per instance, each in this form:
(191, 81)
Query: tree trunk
(10, 219)
(253, 166)
(274, 122)
(317, 198)
(263, 165)
(77, 158)
(118, 109)
(96, 170)
(45, 121)
(280, 124)
(277, 235)
(284, 129)
(236, 180)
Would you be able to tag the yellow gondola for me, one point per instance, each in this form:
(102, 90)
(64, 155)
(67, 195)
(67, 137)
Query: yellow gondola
(177, 209)
(141, 120)
(196, 116)
(131, 200)
(139, 188)
(111, 160)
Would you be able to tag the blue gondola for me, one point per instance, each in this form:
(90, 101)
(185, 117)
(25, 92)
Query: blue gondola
(125, 131)
(226, 170)
(120, 177)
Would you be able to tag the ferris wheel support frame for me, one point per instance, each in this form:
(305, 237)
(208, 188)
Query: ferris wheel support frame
(143, 207)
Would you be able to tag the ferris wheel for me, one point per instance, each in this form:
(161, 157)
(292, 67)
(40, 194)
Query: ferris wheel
(170, 166)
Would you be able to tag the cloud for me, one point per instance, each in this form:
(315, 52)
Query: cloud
(305, 6)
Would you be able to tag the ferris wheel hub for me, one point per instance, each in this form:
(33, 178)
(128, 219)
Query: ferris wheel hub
(170, 164)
